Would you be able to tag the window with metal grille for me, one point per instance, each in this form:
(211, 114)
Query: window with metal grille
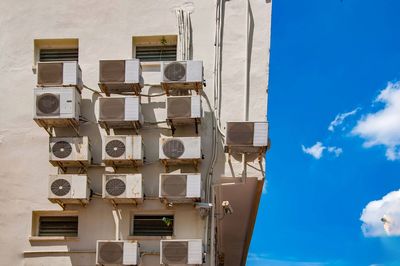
(58, 226)
(156, 53)
(153, 225)
(49, 55)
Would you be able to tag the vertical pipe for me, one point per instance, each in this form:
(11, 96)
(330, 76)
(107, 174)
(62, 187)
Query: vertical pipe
(116, 221)
(246, 73)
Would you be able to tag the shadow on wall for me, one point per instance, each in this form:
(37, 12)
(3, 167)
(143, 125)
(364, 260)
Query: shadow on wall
(85, 258)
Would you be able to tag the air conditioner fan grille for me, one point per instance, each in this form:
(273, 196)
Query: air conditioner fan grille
(61, 149)
(173, 148)
(115, 148)
(60, 187)
(175, 252)
(48, 103)
(175, 71)
(111, 253)
(115, 187)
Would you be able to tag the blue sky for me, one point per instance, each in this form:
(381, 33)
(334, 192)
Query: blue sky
(332, 57)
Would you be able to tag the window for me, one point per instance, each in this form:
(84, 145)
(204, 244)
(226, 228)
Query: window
(54, 225)
(153, 225)
(155, 48)
(47, 50)
(58, 226)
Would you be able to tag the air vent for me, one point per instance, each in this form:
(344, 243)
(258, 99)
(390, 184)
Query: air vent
(111, 253)
(173, 148)
(60, 187)
(174, 185)
(115, 187)
(112, 71)
(175, 252)
(175, 71)
(250, 134)
(115, 148)
(50, 74)
(48, 104)
(154, 53)
(179, 107)
(51, 55)
(118, 252)
(112, 109)
(62, 149)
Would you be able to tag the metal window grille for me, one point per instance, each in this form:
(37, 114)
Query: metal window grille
(58, 226)
(156, 53)
(50, 55)
(152, 225)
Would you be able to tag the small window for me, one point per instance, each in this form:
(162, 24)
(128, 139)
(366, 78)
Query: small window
(155, 48)
(48, 50)
(58, 226)
(153, 225)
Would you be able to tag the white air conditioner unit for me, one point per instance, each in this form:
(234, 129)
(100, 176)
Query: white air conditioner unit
(117, 252)
(180, 148)
(180, 187)
(247, 134)
(56, 104)
(123, 150)
(117, 76)
(181, 252)
(184, 108)
(69, 151)
(182, 75)
(62, 73)
(69, 189)
(123, 188)
(120, 112)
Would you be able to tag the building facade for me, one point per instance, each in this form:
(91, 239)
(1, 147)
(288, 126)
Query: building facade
(230, 38)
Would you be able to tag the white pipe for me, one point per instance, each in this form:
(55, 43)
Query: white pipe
(247, 70)
(116, 221)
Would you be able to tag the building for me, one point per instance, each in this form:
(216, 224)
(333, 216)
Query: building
(231, 38)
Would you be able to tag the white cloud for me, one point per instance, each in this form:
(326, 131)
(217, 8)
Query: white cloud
(339, 119)
(382, 217)
(335, 150)
(317, 150)
(383, 126)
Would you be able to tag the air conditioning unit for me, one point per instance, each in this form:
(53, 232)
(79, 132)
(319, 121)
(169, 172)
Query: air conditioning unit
(57, 74)
(247, 135)
(180, 148)
(69, 151)
(118, 76)
(181, 252)
(117, 252)
(69, 189)
(182, 109)
(182, 75)
(120, 112)
(57, 105)
(180, 187)
(123, 188)
(123, 150)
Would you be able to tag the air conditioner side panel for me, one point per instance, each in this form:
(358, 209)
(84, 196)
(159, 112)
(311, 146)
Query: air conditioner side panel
(79, 187)
(134, 186)
(132, 67)
(70, 73)
(137, 153)
(193, 186)
(130, 253)
(195, 251)
(196, 106)
(82, 149)
(192, 148)
(129, 150)
(194, 71)
(260, 138)
(132, 109)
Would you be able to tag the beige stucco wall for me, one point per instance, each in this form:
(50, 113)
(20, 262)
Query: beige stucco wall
(105, 30)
